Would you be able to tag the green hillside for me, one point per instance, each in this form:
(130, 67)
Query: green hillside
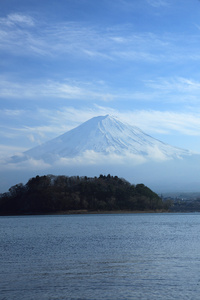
(53, 194)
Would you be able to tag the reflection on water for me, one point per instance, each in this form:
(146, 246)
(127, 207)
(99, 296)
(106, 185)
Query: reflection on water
(125, 256)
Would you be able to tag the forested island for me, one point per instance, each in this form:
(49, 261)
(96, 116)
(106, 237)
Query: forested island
(62, 194)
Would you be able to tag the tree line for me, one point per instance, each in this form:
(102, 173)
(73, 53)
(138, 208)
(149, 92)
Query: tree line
(51, 194)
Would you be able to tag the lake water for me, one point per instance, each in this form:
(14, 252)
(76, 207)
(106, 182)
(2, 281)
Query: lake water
(119, 256)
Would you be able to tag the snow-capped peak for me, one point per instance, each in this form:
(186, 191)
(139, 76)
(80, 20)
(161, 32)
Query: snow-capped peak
(104, 135)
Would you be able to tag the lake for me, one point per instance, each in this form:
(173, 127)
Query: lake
(107, 256)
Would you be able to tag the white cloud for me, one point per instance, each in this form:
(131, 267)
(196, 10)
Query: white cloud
(137, 55)
(158, 3)
(83, 41)
(91, 157)
(119, 39)
(164, 122)
(6, 151)
(20, 19)
(17, 19)
(17, 90)
(179, 84)
(87, 159)
(31, 165)
(97, 54)
(50, 89)
(176, 90)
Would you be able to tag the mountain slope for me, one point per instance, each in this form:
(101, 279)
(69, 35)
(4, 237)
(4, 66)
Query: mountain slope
(105, 135)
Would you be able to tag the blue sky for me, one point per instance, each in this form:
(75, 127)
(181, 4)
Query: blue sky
(63, 62)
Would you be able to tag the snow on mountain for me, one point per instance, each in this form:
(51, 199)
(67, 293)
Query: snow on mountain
(103, 135)
(105, 145)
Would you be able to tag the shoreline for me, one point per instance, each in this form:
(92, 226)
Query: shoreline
(87, 212)
(106, 212)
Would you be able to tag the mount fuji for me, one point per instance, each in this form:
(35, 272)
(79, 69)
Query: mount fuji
(104, 135)
(105, 145)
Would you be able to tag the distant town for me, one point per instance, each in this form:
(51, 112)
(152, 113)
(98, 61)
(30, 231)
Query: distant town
(182, 202)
